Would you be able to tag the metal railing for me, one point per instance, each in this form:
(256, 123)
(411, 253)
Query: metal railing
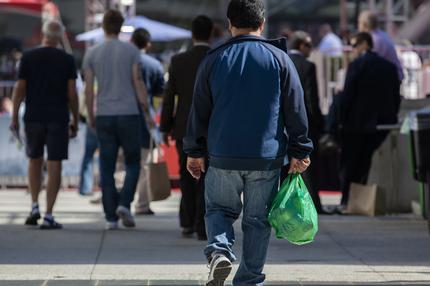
(415, 61)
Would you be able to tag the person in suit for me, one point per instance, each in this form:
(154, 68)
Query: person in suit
(182, 75)
(300, 48)
(371, 97)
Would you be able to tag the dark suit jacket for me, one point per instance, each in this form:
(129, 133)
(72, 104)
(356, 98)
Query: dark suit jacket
(371, 95)
(308, 78)
(182, 76)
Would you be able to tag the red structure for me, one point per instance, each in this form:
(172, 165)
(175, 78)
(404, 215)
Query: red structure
(34, 7)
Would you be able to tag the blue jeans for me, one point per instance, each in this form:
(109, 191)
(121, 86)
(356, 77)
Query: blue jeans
(114, 132)
(91, 145)
(223, 207)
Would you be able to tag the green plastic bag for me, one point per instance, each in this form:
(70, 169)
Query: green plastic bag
(293, 214)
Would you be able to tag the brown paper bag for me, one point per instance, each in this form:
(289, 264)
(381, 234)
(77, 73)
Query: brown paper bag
(368, 200)
(159, 182)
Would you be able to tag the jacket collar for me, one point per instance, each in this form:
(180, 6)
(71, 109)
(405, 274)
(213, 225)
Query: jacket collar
(280, 43)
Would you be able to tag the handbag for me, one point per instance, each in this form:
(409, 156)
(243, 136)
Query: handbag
(158, 176)
(368, 200)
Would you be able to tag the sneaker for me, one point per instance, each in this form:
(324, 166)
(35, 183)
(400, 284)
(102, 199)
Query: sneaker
(33, 218)
(96, 201)
(126, 216)
(50, 223)
(86, 194)
(220, 268)
(112, 225)
(341, 210)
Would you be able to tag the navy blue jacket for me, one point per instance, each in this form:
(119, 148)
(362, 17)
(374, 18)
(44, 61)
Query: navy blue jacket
(248, 109)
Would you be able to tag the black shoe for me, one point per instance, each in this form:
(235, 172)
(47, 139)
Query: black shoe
(187, 232)
(50, 223)
(202, 237)
(147, 212)
(32, 218)
(325, 211)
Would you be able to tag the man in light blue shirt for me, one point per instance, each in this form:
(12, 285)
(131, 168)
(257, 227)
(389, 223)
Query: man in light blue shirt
(330, 45)
(382, 42)
(153, 76)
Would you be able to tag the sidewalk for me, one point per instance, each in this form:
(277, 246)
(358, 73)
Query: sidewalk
(391, 250)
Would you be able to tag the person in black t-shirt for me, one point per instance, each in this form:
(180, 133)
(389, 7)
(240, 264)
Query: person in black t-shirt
(46, 81)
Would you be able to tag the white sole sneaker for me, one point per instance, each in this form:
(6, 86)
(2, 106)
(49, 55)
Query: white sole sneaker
(111, 225)
(220, 268)
(126, 216)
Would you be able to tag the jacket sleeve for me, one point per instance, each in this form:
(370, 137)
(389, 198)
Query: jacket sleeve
(396, 92)
(347, 96)
(168, 107)
(296, 121)
(311, 89)
(195, 141)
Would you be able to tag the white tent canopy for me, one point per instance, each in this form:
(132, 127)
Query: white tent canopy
(160, 32)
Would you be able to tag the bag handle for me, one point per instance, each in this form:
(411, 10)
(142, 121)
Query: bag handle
(291, 178)
(153, 145)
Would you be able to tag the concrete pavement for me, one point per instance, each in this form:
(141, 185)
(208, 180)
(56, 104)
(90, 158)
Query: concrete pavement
(349, 250)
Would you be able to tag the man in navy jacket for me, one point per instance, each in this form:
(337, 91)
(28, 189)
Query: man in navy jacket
(248, 115)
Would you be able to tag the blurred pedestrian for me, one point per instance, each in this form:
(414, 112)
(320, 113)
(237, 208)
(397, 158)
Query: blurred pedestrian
(46, 81)
(382, 43)
(248, 115)
(120, 91)
(287, 31)
(370, 98)
(300, 48)
(153, 76)
(330, 44)
(182, 76)
(219, 35)
(86, 182)
(6, 106)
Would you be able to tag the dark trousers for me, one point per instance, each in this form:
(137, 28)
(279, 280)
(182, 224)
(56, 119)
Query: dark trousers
(356, 158)
(310, 177)
(192, 208)
(114, 132)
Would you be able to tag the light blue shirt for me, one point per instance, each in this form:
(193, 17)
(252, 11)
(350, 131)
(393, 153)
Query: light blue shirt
(384, 46)
(331, 45)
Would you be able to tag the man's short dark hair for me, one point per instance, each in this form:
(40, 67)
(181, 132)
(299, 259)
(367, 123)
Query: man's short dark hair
(112, 22)
(364, 37)
(201, 28)
(141, 38)
(246, 13)
(298, 38)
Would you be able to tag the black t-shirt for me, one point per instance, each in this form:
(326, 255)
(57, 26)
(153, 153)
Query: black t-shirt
(46, 71)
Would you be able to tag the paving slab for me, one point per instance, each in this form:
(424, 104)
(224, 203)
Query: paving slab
(349, 250)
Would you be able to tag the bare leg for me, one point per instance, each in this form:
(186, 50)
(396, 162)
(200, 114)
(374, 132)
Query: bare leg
(54, 182)
(35, 178)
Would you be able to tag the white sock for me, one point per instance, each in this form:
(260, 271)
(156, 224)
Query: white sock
(34, 207)
(49, 216)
